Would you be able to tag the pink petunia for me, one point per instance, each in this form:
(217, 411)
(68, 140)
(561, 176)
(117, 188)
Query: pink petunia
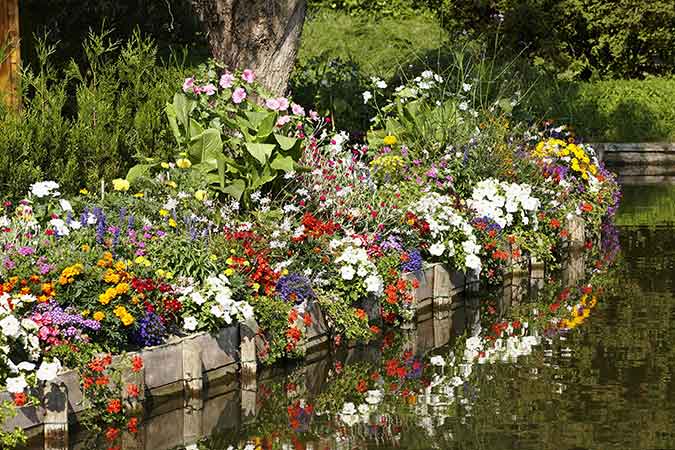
(188, 84)
(297, 109)
(313, 115)
(283, 103)
(272, 103)
(226, 80)
(283, 120)
(239, 95)
(209, 89)
(248, 76)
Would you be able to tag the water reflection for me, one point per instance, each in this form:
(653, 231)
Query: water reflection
(605, 385)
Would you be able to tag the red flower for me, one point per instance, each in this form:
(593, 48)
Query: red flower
(361, 314)
(132, 426)
(586, 207)
(132, 390)
(555, 223)
(20, 398)
(136, 363)
(375, 329)
(112, 433)
(102, 381)
(307, 319)
(337, 367)
(114, 406)
(362, 386)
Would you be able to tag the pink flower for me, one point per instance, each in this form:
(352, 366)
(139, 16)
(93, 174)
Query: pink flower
(272, 103)
(209, 89)
(283, 103)
(197, 90)
(239, 95)
(313, 115)
(297, 109)
(248, 76)
(283, 120)
(188, 84)
(226, 80)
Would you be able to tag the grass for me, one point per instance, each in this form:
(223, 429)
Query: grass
(378, 45)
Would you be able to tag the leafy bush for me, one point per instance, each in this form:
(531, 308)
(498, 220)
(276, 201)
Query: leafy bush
(395, 8)
(612, 110)
(576, 38)
(82, 124)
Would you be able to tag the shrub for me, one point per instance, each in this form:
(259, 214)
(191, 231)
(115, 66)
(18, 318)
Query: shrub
(576, 38)
(82, 124)
(613, 110)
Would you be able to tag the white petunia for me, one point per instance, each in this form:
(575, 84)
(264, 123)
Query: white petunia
(437, 361)
(16, 385)
(374, 283)
(10, 326)
(347, 272)
(437, 249)
(190, 323)
(367, 95)
(48, 371)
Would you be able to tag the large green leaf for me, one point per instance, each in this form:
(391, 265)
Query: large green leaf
(183, 107)
(284, 163)
(207, 145)
(261, 152)
(255, 118)
(266, 126)
(267, 175)
(173, 124)
(138, 170)
(285, 142)
(235, 189)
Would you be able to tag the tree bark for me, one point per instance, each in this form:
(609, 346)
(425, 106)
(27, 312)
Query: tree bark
(263, 35)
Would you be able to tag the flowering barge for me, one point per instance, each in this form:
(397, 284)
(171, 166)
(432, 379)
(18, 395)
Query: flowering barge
(194, 385)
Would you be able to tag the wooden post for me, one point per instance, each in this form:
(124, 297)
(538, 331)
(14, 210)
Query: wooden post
(56, 417)
(10, 54)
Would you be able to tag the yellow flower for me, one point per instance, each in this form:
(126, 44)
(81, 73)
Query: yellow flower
(165, 165)
(229, 272)
(200, 195)
(255, 286)
(122, 288)
(85, 313)
(390, 140)
(213, 257)
(172, 223)
(127, 319)
(84, 192)
(229, 261)
(139, 195)
(120, 184)
(98, 316)
(172, 184)
(183, 163)
(85, 248)
(110, 276)
(163, 212)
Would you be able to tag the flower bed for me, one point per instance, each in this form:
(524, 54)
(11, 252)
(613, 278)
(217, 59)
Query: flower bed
(269, 216)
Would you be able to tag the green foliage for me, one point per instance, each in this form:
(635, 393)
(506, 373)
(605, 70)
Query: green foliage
(332, 87)
(237, 145)
(88, 122)
(378, 45)
(272, 315)
(576, 39)
(612, 110)
(394, 8)
(14, 438)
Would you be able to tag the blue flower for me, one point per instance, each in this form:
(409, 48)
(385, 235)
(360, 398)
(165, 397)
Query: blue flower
(295, 288)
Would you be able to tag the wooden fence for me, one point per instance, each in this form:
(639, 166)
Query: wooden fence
(10, 56)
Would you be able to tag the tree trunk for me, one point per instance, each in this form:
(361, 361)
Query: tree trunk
(263, 35)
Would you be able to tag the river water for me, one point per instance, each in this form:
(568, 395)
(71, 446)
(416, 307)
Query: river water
(607, 384)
